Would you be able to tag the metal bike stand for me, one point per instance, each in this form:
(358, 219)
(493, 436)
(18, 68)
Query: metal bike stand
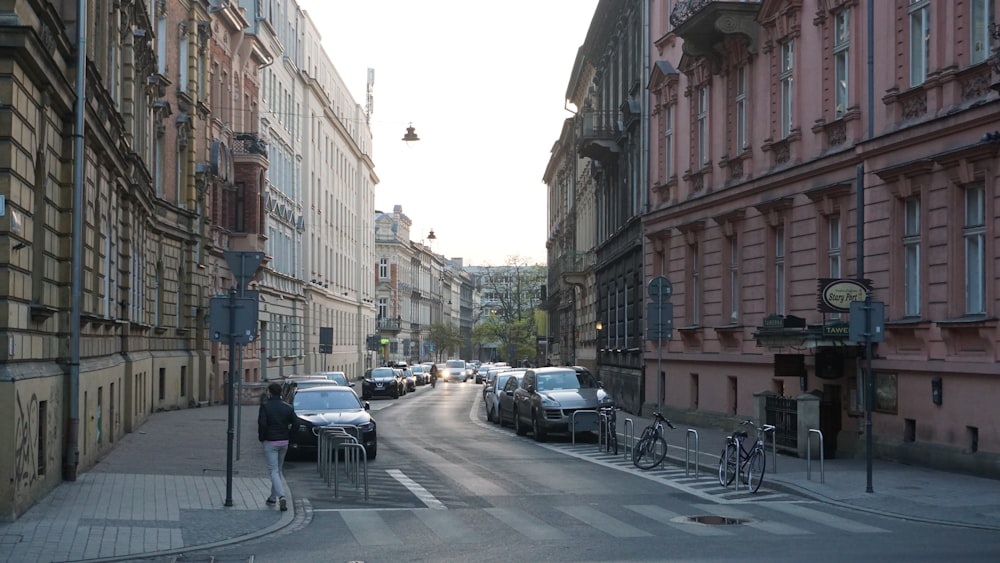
(822, 475)
(572, 421)
(774, 447)
(629, 436)
(357, 453)
(602, 436)
(330, 439)
(739, 450)
(687, 452)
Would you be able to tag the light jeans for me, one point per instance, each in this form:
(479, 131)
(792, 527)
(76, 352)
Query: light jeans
(275, 459)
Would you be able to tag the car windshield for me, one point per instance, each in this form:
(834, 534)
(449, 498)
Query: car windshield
(501, 379)
(564, 380)
(338, 377)
(417, 369)
(382, 372)
(455, 364)
(325, 401)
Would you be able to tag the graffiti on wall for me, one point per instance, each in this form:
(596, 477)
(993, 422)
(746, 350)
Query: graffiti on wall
(26, 442)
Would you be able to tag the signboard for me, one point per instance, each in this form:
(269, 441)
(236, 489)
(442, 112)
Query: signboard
(876, 326)
(659, 321)
(233, 317)
(836, 294)
(326, 340)
(660, 289)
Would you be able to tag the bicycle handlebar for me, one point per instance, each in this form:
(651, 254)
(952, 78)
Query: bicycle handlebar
(659, 416)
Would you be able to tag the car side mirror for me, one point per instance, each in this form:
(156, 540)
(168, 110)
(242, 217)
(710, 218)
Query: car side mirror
(510, 393)
(367, 405)
(350, 384)
(489, 388)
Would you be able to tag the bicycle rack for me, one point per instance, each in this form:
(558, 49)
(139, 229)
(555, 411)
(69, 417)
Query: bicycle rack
(822, 475)
(774, 447)
(687, 452)
(739, 453)
(572, 421)
(629, 441)
(602, 436)
(333, 441)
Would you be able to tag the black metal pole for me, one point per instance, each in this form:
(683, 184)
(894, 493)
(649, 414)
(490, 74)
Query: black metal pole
(869, 389)
(230, 397)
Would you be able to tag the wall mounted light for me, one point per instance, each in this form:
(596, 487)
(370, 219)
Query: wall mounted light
(411, 135)
(599, 325)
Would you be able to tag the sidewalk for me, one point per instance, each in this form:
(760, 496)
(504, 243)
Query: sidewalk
(899, 490)
(160, 491)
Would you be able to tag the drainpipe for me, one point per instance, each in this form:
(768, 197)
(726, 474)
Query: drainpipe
(71, 456)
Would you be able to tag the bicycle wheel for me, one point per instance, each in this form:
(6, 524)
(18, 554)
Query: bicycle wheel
(755, 469)
(650, 452)
(727, 465)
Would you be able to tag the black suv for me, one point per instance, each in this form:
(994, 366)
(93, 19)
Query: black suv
(382, 382)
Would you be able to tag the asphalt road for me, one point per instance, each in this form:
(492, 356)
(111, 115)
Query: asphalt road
(448, 486)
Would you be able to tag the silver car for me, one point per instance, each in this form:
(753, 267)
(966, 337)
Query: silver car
(548, 397)
(493, 390)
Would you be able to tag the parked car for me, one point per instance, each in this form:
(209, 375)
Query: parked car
(338, 376)
(505, 400)
(454, 370)
(381, 382)
(409, 379)
(423, 376)
(548, 396)
(290, 382)
(329, 405)
(492, 397)
(402, 380)
(481, 372)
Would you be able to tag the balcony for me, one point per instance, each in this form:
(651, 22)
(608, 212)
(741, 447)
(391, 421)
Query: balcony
(393, 326)
(575, 267)
(598, 130)
(704, 23)
(249, 143)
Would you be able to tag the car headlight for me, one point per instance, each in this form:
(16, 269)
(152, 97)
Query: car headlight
(367, 427)
(604, 400)
(549, 401)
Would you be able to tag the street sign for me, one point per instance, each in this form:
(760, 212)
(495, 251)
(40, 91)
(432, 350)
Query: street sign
(243, 265)
(876, 326)
(234, 317)
(326, 340)
(659, 321)
(660, 289)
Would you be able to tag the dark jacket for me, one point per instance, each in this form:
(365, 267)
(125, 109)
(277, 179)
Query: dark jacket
(274, 419)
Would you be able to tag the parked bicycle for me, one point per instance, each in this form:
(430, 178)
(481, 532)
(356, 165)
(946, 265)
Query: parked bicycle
(651, 449)
(609, 432)
(751, 461)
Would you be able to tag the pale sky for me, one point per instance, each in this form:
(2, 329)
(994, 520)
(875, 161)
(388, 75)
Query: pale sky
(484, 85)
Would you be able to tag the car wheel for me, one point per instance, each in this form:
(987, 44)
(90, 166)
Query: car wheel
(519, 429)
(371, 452)
(496, 417)
(500, 417)
(537, 428)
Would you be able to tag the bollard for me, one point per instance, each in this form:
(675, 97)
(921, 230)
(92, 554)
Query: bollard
(822, 474)
(687, 452)
(602, 436)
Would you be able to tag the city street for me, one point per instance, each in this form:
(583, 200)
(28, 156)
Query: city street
(449, 486)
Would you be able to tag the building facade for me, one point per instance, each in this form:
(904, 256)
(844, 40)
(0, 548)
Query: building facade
(767, 152)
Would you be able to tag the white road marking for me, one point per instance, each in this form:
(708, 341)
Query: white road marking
(825, 519)
(669, 518)
(603, 522)
(729, 511)
(421, 493)
(526, 524)
(369, 528)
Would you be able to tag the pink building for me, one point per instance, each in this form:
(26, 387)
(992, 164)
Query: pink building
(765, 121)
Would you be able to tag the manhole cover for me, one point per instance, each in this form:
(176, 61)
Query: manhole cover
(712, 520)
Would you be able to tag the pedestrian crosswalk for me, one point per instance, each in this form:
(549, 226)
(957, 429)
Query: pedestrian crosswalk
(701, 484)
(562, 522)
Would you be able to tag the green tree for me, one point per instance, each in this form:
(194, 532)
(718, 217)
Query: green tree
(511, 296)
(446, 339)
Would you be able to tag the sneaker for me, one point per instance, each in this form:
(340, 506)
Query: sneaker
(271, 501)
(283, 504)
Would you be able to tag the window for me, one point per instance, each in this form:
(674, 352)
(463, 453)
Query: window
(911, 257)
(695, 285)
(833, 251)
(779, 270)
(741, 109)
(734, 280)
(982, 17)
(668, 143)
(920, 34)
(786, 79)
(383, 268)
(833, 246)
(841, 63)
(702, 126)
(974, 233)
(383, 307)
